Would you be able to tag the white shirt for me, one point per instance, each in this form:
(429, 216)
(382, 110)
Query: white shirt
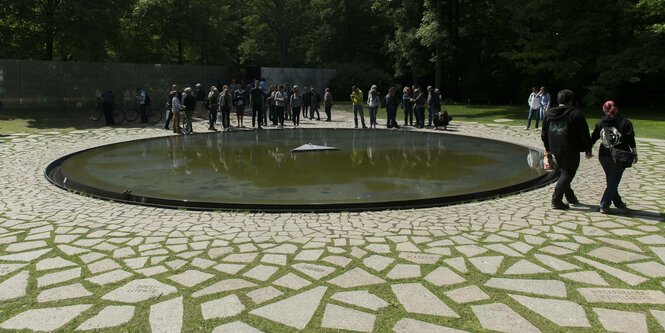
(534, 102)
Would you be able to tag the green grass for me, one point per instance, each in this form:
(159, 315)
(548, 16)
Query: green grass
(647, 123)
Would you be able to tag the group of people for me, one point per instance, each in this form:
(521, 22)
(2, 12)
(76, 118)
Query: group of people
(414, 101)
(539, 102)
(275, 104)
(565, 134)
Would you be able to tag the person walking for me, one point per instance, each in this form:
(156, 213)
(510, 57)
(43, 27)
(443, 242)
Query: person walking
(357, 101)
(328, 103)
(306, 102)
(391, 108)
(296, 103)
(373, 103)
(256, 100)
(534, 108)
(239, 102)
(108, 103)
(565, 134)
(169, 114)
(407, 106)
(280, 102)
(212, 101)
(315, 104)
(616, 134)
(225, 103)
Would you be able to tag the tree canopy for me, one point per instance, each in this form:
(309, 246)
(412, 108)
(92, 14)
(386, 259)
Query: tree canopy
(487, 51)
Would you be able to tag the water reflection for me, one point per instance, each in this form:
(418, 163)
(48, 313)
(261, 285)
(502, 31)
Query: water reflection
(258, 166)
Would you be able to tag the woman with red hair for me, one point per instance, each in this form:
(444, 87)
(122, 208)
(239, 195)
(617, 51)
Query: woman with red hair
(616, 153)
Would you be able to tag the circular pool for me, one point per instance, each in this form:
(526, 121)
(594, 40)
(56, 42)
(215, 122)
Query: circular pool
(260, 171)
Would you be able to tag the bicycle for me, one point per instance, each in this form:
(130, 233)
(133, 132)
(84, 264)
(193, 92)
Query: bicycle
(97, 112)
(154, 114)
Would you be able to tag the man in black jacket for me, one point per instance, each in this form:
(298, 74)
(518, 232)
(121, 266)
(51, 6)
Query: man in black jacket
(565, 134)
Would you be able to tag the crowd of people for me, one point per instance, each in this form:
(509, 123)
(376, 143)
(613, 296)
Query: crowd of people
(565, 134)
(539, 101)
(277, 104)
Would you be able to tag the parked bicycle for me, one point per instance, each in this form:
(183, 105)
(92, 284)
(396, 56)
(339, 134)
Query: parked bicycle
(119, 115)
(97, 113)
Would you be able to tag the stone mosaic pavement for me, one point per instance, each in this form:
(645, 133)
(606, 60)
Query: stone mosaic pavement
(71, 263)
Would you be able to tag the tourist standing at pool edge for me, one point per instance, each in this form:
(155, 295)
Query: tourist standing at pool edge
(357, 101)
(189, 101)
(225, 103)
(108, 102)
(407, 106)
(256, 99)
(616, 133)
(211, 101)
(373, 103)
(565, 134)
(296, 102)
(391, 108)
(545, 100)
(534, 108)
(328, 103)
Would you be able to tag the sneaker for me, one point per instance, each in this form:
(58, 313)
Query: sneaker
(536, 129)
(605, 210)
(560, 206)
(526, 128)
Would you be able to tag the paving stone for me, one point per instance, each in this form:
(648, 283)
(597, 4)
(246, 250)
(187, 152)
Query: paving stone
(588, 277)
(229, 268)
(621, 243)
(457, 263)
(45, 319)
(615, 256)
(240, 257)
(235, 327)
(292, 281)
(378, 248)
(6, 269)
(140, 290)
(624, 276)
(660, 317)
(202, 263)
(360, 298)
(338, 317)
(264, 294)
(103, 266)
(652, 240)
(503, 249)
(626, 296)
(357, 252)
(314, 271)
(443, 276)
(659, 251)
(471, 250)
(539, 287)
(110, 277)
(651, 269)
(223, 286)
(622, 321)
(525, 267)
(555, 263)
(378, 262)
(23, 246)
(25, 256)
(556, 250)
(487, 265)
(337, 260)
(191, 277)
(561, 312)
(261, 272)
(500, 317)
(356, 277)
(417, 299)
(58, 277)
(467, 294)
(14, 287)
(90, 257)
(295, 311)
(420, 258)
(110, 316)
(167, 316)
(62, 293)
(228, 306)
(408, 325)
(309, 255)
(403, 271)
(277, 259)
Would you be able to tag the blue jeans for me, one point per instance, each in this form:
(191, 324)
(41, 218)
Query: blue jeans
(613, 174)
(533, 112)
(430, 115)
(372, 115)
(358, 109)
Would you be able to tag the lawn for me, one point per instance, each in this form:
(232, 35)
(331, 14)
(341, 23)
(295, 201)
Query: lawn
(647, 123)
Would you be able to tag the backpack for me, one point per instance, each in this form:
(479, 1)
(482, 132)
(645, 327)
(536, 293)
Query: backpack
(147, 101)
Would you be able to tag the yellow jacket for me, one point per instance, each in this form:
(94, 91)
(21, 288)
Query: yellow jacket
(357, 97)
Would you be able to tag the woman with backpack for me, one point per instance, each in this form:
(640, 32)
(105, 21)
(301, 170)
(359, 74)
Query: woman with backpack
(616, 153)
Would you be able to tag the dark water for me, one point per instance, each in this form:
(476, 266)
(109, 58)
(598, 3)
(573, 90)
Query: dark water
(259, 167)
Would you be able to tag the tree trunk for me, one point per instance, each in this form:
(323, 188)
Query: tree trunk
(439, 48)
(49, 30)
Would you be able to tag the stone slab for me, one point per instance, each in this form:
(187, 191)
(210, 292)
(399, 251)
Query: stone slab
(295, 311)
(467, 294)
(223, 286)
(71, 291)
(14, 287)
(622, 321)
(228, 306)
(360, 298)
(139, 290)
(561, 312)
(235, 327)
(417, 299)
(190, 278)
(167, 316)
(45, 319)
(500, 317)
(625, 296)
(342, 318)
(356, 277)
(110, 316)
(539, 287)
(408, 325)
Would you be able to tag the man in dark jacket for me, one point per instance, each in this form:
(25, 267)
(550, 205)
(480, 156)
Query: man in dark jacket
(565, 134)
(189, 101)
(391, 108)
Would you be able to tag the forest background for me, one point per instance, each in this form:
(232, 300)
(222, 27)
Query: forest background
(481, 51)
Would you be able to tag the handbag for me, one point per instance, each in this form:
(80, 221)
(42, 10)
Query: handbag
(622, 157)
